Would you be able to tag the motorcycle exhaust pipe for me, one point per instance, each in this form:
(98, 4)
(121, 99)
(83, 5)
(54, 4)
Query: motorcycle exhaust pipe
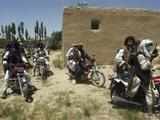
(157, 105)
(117, 99)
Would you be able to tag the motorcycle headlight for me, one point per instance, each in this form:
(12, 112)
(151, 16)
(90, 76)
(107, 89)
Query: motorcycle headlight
(24, 80)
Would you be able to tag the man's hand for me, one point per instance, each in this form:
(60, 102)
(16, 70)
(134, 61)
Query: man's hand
(28, 65)
(154, 54)
(125, 66)
(47, 57)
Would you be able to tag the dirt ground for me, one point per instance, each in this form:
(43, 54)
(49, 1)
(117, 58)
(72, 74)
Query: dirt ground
(48, 91)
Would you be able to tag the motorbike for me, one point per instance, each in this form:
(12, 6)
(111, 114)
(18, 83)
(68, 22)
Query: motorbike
(18, 82)
(156, 78)
(119, 92)
(90, 73)
(42, 67)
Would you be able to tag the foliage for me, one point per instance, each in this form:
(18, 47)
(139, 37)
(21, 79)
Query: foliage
(36, 30)
(13, 28)
(55, 41)
(40, 31)
(19, 32)
(2, 30)
(59, 62)
(26, 34)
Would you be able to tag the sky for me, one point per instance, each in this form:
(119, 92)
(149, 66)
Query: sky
(51, 11)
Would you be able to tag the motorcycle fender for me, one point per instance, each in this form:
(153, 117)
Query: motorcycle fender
(123, 82)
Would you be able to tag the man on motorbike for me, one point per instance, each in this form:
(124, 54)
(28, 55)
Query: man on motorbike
(85, 58)
(41, 52)
(12, 56)
(140, 72)
(73, 56)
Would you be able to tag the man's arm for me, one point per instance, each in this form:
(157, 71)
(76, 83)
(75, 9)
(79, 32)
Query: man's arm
(69, 52)
(46, 53)
(119, 58)
(144, 62)
(24, 59)
(5, 57)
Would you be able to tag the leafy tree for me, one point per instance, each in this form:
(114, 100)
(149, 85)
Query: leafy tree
(36, 30)
(22, 27)
(41, 32)
(19, 31)
(2, 30)
(26, 34)
(13, 30)
(8, 32)
(55, 41)
(45, 33)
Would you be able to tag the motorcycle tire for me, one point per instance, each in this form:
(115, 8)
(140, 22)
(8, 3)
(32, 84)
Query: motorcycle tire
(26, 91)
(98, 79)
(29, 99)
(44, 74)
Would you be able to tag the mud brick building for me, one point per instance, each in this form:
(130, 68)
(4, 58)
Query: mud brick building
(103, 30)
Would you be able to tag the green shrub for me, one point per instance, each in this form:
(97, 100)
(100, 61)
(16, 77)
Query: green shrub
(55, 41)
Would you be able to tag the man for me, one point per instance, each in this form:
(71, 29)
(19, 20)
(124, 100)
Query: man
(41, 52)
(85, 58)
(125, 57)
(146, 53)
(73, 59)
(13, 55)
(140, 72)
(7, 48)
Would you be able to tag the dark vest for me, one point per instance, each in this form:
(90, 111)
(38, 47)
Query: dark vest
(14, 58)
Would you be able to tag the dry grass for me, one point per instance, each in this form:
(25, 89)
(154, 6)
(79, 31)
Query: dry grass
(62, 108)
(59, 61)
(58, 99)
(128, 114)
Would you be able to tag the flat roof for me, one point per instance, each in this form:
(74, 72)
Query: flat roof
(111, 9)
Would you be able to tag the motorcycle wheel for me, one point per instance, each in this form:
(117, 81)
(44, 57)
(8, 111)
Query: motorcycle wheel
(27, 93)
(98, 79)
(44, 74)
(25, 90)
(29, 99)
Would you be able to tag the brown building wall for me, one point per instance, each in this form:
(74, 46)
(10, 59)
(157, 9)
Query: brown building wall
(115, 25)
